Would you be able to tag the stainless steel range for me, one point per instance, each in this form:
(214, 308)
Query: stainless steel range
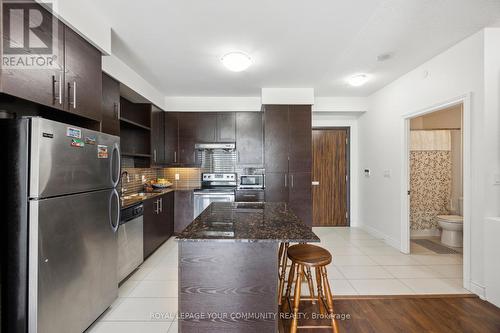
(215, 187)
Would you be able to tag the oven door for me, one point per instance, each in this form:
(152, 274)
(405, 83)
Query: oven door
(203, 200)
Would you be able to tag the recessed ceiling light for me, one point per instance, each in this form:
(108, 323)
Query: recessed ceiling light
(236, 61)
(358, 80)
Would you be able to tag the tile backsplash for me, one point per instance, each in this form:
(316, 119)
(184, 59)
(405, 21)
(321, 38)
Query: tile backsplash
(134, 181)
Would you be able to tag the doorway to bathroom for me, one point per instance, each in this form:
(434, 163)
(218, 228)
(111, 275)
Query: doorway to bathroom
(435, 190)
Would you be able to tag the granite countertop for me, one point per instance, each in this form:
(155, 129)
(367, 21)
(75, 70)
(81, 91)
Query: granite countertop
(248, 222)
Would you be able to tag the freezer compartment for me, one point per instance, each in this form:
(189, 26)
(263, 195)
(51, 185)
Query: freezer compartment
(73, 260)
(66, 159)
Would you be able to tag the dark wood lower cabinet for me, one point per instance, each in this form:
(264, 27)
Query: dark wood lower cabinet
(183, 210)
(158, 221)
(299, 196)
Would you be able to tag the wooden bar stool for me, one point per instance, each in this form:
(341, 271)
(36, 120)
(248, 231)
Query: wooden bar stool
(282, 263)
(304, 257)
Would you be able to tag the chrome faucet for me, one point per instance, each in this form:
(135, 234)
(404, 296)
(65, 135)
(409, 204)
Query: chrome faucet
(124, 173)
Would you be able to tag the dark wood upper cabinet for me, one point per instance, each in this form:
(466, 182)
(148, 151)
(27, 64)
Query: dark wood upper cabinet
(300, 143)
(249, 139)
(110, 105)
(171, 138)
(226, 127)
(72, 84)
(276, 134)
(83, 78)
(157, 136)
(42, 86)
(194, 127)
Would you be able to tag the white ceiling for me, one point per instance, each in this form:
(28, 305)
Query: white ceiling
(176, 44)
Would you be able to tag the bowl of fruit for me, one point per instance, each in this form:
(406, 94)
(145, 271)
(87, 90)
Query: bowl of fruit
(161, 183)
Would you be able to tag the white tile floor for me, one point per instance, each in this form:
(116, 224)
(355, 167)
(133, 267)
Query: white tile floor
(362, 265)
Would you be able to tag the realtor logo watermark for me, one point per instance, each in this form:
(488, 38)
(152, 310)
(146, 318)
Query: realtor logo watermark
(29, 34)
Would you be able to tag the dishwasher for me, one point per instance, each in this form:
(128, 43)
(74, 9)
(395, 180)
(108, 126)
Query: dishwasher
(130, 241)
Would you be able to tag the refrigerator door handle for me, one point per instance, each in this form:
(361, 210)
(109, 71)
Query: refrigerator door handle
(115, 171)
(116, 223)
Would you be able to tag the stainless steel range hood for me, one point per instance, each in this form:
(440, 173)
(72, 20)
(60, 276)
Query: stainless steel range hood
(226, 146)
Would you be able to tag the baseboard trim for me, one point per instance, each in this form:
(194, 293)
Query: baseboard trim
(478, 290)
(377, 234)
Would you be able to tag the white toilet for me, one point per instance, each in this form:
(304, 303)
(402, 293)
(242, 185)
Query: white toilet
(452, 227)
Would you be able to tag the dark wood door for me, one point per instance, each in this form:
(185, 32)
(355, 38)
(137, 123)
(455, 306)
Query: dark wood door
(226, 127)
(300, 137)
(249, 139)
(44, 85)
(300, 196)
(184, 209)
(157, 136)
(276, 138)
(276, 187)
(171, 138)
(83, 76)
(110, 105)
(330, 177)
(194, 127)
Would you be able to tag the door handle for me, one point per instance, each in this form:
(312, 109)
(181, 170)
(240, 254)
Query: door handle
(116, 224)
(115, 177)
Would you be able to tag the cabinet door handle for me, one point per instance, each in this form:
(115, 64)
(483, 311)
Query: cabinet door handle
(161, 205)
(155, 206)
(115, 109)
(249, 195)
(292, 180)
(286, 180)
(74, 94)
(154, 155)
(175, 157)
(59, 81)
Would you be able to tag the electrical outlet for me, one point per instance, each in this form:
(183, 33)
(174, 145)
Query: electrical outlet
(177, 176)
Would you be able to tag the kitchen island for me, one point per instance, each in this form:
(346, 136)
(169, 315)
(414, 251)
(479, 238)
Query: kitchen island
(228, 266)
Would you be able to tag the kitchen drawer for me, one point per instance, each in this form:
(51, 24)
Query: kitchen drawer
(249, 196)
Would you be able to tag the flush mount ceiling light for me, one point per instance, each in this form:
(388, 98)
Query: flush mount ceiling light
(236, 61)
(358, 80)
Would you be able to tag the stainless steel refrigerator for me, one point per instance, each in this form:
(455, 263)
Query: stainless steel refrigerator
(59, 251)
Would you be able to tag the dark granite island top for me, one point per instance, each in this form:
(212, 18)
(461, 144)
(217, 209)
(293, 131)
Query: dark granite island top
(248, 222)
(228, 266)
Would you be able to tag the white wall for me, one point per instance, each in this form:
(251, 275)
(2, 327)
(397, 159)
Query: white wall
(333, 119)
(455, 72)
